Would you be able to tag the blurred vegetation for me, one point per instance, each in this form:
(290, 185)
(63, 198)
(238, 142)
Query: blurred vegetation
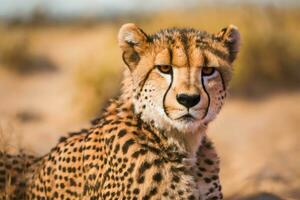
(96, 85)
(268, 62)
(16, 54)
(270, 55)
(99, 75)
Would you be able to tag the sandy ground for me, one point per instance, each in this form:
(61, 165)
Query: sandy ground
(258, 140)
(40, 108)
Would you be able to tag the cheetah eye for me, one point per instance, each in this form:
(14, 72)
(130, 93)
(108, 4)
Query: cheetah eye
(166, 69)
(208, 71)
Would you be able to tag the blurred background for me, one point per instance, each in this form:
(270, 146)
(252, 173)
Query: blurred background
(60, 62)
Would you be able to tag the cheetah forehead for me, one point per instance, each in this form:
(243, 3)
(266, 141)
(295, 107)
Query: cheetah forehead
(185, 36)
(175, 33)
(192, 43)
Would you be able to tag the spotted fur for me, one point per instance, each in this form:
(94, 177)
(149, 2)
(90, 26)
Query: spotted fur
(14, 170)
(150, 143)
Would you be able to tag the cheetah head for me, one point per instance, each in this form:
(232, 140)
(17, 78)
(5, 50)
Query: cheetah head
(179, 76)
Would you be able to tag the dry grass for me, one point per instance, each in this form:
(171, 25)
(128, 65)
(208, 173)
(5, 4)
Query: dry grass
(258, 142)
(16, 53)
(99, 75)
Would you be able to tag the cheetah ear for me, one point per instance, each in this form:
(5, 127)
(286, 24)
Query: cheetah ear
(231, 38)
(132, 41)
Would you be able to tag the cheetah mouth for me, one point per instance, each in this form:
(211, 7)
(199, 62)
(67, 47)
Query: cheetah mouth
(186, 118)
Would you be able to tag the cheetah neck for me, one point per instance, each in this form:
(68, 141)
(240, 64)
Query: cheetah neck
(188, 142)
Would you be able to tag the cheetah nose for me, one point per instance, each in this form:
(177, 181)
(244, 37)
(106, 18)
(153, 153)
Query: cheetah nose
(188, 100)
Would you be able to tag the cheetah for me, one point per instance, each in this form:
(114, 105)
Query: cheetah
(13, 172)
(150, 142)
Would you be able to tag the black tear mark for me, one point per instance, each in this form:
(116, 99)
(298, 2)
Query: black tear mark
(165, 95)
(207, 108)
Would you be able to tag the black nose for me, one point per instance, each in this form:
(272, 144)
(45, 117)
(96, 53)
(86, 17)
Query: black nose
(188, 100)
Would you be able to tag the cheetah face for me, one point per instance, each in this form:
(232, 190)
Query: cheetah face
(179, 76)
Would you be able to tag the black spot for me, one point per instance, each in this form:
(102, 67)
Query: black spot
(126, 145)
(146, 197)
(158, 162)
(175, 179)
(136, 191)
(157, 177)
(202, 169)
(122, 133)
(141, 179)
(153, 191)
(165, 194)
(209, 162)
(117, 147)
(207, 180)
(72, 182)
(144, 166)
